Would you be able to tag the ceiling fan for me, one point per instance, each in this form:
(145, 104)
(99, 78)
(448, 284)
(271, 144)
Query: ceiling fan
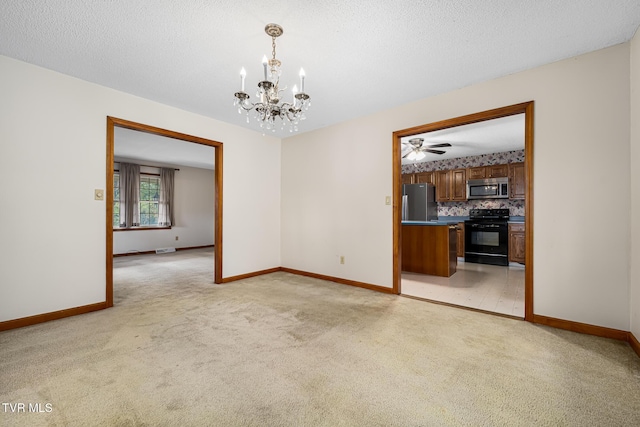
(417, 148)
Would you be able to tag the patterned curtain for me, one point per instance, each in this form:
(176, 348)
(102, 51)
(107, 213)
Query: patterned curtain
(129, 195)
(165, 203)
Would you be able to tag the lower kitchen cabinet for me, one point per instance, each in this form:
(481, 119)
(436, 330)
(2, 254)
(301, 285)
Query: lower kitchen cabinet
(429, 249)
(516, 243)
(460, 238)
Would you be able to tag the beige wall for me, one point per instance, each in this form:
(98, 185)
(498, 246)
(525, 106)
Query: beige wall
(635, 186)
(52, 157)
(193, 212)
(334, 182)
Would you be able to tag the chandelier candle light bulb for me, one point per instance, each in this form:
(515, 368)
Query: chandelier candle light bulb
(269, 106)
(264, 65)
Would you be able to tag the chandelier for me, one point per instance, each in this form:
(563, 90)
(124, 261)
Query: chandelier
(269, 107)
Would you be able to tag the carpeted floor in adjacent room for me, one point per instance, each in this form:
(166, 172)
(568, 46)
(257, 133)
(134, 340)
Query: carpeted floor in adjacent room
(285, 350)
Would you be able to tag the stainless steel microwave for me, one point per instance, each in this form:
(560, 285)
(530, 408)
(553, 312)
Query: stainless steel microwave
(491, 188)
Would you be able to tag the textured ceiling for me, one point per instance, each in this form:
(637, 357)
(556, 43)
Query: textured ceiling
(489, 136)
(155, 150)
(359, 56)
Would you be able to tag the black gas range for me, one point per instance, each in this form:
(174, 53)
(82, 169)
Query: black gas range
(486, 236)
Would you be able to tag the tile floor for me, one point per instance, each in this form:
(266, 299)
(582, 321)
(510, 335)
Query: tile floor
(485, 287)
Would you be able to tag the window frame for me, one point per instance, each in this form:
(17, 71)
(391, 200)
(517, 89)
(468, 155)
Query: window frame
(117, 228)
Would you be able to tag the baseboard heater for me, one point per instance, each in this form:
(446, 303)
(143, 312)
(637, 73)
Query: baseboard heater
(165, 250)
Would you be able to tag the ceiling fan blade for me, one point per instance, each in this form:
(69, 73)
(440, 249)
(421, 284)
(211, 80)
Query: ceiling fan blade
(444, 144)
(434, 151)
(405, 156)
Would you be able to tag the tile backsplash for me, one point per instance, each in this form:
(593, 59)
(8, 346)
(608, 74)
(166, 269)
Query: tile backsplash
(516, 207)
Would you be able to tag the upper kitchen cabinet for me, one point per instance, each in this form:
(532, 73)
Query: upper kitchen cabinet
(517, 188)
(451, 185)
(479, 172)
(424, 178)
(497, 171)
(492, 171)
(443, 186)
(408, 178)
(418, 178)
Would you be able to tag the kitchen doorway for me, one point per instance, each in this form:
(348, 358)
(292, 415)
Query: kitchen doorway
(112, 124)
(466, 281)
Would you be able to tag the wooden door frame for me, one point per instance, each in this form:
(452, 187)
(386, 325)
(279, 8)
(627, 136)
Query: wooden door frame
(112, 123)
(527, 109)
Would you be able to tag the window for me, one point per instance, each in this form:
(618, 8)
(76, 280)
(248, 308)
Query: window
(149, 195)
(148, 205)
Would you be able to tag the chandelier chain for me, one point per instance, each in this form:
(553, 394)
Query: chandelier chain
(273, 46)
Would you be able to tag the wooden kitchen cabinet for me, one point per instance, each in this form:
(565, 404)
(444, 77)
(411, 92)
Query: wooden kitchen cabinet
(424, 178)
(418, 178)
(517, 189)
(497, 171)
(479, 172)
(460, 239)
(451, 185)
(516, 243)
(443, 186)
(459, 185)
(429, 249)
(407, 178)
(491, 171)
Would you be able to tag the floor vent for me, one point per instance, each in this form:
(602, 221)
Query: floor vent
(165, 250)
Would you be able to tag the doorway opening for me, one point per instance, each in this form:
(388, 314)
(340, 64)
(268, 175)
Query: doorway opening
(526, 184)
(113, 123)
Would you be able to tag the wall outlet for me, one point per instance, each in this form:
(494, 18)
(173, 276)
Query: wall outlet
(341, 259)
(176, 237)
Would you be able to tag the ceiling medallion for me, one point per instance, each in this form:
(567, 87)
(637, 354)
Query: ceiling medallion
(269, 108)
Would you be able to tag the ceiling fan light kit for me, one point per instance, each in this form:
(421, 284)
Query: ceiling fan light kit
(269, 108)
(418, 149)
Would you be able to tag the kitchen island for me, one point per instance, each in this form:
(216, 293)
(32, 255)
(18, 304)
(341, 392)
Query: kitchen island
(429, 247)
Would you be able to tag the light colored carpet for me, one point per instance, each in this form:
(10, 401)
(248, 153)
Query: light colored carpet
(285, 350)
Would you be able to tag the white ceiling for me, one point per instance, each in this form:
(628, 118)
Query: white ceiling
(360, 57)
(490, 136)
(154, 150)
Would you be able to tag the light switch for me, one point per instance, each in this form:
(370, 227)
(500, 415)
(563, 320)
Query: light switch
(99, 194)
(387, 200)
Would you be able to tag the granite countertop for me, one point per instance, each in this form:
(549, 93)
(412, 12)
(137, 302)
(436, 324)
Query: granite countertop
(443, 220)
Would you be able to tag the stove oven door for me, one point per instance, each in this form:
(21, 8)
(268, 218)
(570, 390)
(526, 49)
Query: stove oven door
(486, 242)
